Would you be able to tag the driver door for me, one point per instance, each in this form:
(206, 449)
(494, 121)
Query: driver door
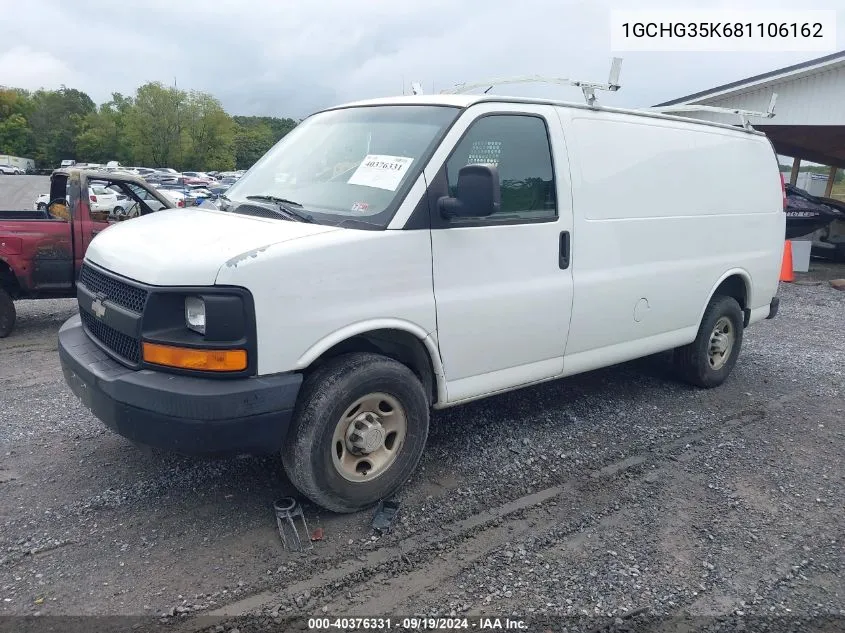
(53, 262)
(503, 283)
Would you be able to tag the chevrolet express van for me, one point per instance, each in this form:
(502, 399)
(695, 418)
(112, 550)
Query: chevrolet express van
(396, 255)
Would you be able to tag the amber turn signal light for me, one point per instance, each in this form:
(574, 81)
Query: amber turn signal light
(200, 359)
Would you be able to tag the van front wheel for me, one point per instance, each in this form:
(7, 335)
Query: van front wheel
(709, 359)
(358, 432)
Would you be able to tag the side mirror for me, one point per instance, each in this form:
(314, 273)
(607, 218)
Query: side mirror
(478, 193)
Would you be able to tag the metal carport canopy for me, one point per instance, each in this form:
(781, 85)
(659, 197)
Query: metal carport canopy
(809, 121)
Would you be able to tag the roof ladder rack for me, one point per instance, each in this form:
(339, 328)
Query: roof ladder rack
(587, 87)
(744, 115)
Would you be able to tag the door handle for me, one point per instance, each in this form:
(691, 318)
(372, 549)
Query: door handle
(563, 254)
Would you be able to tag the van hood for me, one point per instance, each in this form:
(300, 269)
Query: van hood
(186, 247)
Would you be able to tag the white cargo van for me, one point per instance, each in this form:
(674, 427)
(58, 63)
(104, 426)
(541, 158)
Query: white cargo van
(395, 255)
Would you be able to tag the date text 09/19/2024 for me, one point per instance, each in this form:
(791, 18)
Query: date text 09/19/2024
(416, 624)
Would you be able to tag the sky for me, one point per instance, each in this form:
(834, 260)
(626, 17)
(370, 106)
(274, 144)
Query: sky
(290, 58)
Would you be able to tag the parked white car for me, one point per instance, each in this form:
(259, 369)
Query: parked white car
(104, 200)
(449, 249)
(10, 170)
(41, 202)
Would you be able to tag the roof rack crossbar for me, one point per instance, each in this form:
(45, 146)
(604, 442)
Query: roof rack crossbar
(744, 115)
(587, 87)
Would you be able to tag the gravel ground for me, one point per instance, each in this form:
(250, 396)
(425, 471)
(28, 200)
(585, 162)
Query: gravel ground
(613, 493)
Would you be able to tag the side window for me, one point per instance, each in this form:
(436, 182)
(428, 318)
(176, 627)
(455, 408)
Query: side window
(518, 146)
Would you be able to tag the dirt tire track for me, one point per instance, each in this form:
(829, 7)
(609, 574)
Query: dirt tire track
(426, 560)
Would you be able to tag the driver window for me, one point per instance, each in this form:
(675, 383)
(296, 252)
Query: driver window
(518, 146)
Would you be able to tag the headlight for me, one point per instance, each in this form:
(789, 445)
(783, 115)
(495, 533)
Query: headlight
(195, 314)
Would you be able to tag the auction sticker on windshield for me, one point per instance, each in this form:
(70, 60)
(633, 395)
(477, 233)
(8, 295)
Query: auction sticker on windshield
(383, 172)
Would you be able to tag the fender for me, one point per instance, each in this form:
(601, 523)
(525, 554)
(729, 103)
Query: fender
(746, 278)
(428, 339)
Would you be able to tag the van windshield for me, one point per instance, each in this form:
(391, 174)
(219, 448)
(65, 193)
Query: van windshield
(344, 166)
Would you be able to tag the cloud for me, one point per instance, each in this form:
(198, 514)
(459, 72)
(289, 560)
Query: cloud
(288, 58)
(24, 67)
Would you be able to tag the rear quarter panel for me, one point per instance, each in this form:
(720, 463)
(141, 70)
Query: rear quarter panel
(663, 211)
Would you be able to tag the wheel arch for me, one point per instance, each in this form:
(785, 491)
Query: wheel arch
(8, 280)
(734, 283)
(403, 341)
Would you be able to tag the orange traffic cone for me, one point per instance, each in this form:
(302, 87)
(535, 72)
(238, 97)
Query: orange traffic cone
(786, 272)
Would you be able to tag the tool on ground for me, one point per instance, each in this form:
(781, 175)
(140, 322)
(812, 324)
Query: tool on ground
(287, 513)
(385, 514)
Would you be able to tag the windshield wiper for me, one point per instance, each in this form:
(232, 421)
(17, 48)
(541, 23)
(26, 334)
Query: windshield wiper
(287, 207)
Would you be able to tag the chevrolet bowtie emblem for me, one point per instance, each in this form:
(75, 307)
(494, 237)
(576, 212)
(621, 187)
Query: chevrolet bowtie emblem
(98, 308)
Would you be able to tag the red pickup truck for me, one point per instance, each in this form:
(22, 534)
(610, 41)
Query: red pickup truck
(41, 251)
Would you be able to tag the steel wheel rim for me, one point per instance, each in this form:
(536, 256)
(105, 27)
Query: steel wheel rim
(368, 437)
(721, 344)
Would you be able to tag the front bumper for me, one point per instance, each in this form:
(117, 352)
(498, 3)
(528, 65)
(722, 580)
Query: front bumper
(186, 414)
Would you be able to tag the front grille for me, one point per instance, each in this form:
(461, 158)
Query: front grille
(116, 291)
(119, 343)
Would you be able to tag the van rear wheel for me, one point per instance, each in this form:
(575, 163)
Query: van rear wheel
(7, 314)
(709, 359)
(358, 432)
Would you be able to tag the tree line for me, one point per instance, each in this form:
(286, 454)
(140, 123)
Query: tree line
(160, 126)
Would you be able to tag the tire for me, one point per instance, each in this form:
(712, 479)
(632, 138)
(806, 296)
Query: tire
(117, 211)
(7, 314)
(42, 206)
(318, 456)
(695, 362)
